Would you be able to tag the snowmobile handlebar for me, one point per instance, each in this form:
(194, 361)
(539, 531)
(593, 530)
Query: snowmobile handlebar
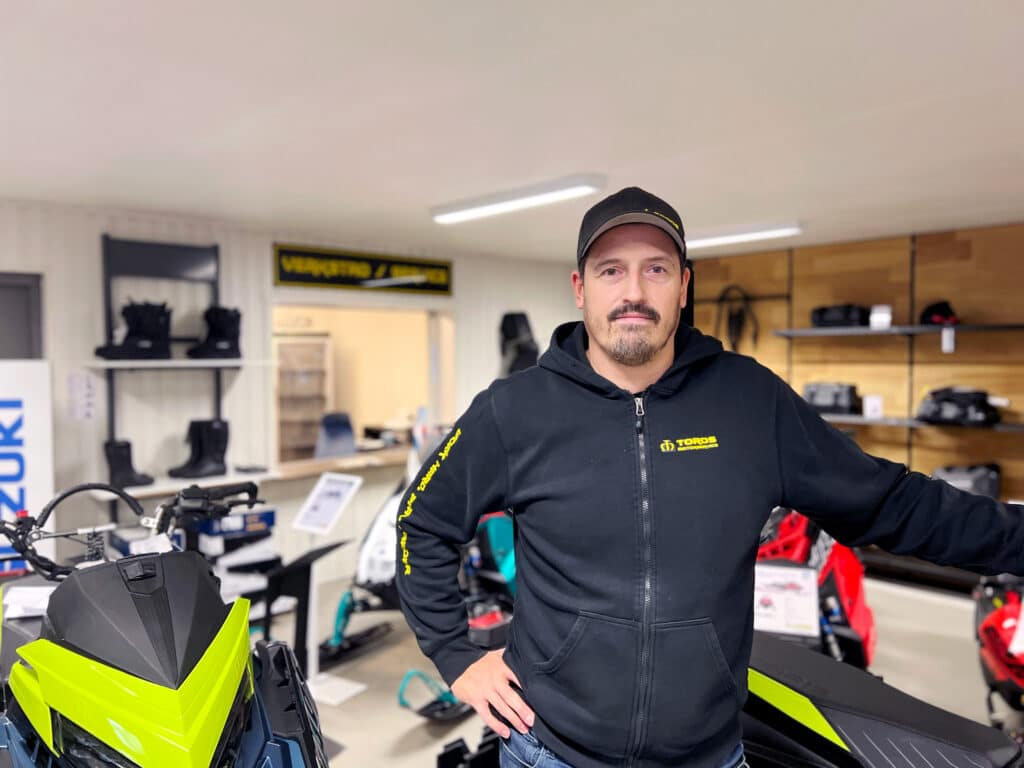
(194, 503)
(25, 530)
(132, 503)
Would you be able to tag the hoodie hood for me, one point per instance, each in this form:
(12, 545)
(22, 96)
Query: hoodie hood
(567, 356)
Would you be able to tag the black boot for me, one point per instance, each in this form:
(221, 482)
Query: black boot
(119, 460)
(148, 336)
(208, 441)
(223, 329)
(194, 450)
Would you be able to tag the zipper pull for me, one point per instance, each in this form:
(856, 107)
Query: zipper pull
(639, 406)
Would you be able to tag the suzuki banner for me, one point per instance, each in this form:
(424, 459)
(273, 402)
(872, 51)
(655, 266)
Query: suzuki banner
(26, 444)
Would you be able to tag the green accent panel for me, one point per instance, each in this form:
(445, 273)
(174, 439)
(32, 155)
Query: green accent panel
(25, 687)
(151, 725)
(793, 704)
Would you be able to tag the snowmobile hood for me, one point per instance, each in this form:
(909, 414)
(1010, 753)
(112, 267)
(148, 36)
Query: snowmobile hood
(151, 616)
(148, 723)
(567, 356)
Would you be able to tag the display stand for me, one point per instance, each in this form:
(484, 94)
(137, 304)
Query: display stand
(296, 580)
(319, 514)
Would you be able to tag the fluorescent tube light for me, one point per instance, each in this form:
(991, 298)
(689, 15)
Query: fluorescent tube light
(384, 282)
(746, 237)
(555, 191)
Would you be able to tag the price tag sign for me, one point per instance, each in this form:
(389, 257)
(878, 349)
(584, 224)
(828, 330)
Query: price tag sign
(324, 505)
(786, 600)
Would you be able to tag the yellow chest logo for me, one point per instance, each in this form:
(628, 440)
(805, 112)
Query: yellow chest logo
(689, 444)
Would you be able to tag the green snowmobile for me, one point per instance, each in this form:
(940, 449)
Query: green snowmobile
(139, 662)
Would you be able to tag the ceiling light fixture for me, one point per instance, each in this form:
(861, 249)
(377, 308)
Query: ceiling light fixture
(387, 282)
(745, 237)
(566, 188)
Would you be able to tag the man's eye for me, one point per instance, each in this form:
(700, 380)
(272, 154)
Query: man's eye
(610, 271)
(658, 268)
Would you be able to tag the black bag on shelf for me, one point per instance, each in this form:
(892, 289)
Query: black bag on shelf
(958, 406)
(840, 315)
(982, 479)
(833, 397)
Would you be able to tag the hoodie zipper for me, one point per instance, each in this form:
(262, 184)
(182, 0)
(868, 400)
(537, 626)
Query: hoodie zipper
(645, 629)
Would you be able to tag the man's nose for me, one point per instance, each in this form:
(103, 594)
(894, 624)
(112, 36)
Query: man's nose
(634, 287)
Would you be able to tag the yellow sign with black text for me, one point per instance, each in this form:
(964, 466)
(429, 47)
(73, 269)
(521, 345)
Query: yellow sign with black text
(308, 267)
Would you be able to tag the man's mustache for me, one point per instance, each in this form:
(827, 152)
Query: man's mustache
(634, 309)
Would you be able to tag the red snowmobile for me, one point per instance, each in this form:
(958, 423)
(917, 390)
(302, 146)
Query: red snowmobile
(997, 610)
(848, 626)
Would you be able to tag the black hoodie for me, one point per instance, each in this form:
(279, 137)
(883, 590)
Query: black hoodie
(638, 520)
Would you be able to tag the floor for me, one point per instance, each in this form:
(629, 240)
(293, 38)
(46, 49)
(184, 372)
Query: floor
(925, 647)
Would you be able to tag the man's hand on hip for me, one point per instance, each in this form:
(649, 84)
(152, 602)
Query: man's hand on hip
(487, 684)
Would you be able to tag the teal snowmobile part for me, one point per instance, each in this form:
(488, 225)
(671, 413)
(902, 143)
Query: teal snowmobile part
(346, 606)
(341, 645)
(499, 532)
(444, 706)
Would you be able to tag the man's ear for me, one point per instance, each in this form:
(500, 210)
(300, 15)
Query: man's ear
(685, 285)
(577, 288)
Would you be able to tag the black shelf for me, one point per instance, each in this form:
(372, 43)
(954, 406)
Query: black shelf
(169, 261)
(176, 364)
(835, 418)
(896, 330)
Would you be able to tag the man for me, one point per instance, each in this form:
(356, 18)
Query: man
(641, 461)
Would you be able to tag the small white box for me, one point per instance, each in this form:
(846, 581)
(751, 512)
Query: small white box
(872, 406)
(881, 316)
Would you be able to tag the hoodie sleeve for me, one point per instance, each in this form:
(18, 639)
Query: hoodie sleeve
(861, 499)
(465, 478)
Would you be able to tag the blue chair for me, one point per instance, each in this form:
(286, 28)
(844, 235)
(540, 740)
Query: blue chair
(335, 437)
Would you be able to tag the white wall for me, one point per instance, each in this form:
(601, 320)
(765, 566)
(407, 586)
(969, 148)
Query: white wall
(63, 244)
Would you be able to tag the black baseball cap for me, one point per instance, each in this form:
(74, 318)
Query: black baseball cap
(631, 205)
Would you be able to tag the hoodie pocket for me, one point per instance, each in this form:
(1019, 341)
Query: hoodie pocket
(585, 691)
(693, 696)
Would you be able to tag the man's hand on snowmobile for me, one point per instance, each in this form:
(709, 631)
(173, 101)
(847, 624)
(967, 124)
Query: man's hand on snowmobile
(486, 685)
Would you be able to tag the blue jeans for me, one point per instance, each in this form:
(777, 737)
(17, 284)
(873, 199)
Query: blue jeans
(525, 751)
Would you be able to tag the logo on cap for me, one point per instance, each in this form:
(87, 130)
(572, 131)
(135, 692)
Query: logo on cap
(662, 216)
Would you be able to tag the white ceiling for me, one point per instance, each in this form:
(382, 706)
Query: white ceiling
(351, 120)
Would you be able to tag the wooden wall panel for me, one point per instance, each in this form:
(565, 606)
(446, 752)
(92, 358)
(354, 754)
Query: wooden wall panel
(759, 274)
(887, 442)
(771, 350)
(886, 379)
(868, 272)
(999, 380)
(980, 272)
(859, 350)
(936, 447)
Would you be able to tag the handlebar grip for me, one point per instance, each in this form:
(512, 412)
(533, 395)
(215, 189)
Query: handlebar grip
(231, 489)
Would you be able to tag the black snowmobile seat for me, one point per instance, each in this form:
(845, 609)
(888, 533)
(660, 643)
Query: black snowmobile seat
(879, 724)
